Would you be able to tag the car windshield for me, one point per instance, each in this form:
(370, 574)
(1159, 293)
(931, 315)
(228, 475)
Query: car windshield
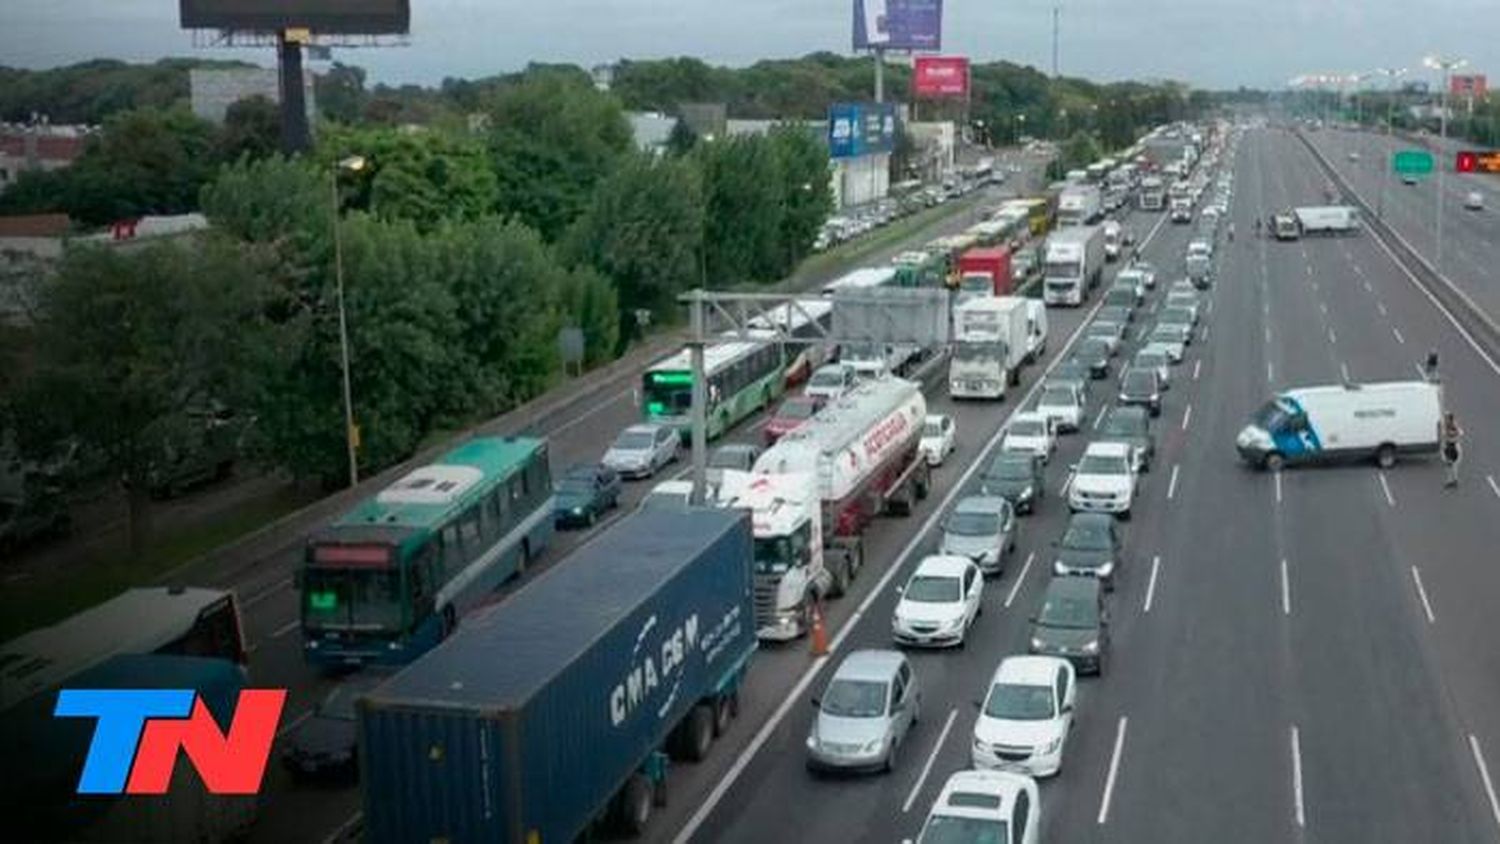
(1011, 468)
(1056, 397)
(932, 589)
(1070, 370)
(953, 829)
(1101, 464)
(1176, 315)
(1166, 333)
(1119, 296)
(634, 441)
(1151, 360)
(1140, 381)
(827, 378)
(1093, 348)
(1106, 329)
(797, 410)
(1028, 428)
(576, 486)
(1123, 425)
(972, 524)
(1019, 702)
(1271, 416)
(854, 699)
(1087, 535)
(1077, 612)
(932, 429)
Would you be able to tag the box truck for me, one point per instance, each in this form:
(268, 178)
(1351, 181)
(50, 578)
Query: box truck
(990, 345)
(1079, 205)
(984, 272)
(552, 714)
(1344, 421)
(1073, 265)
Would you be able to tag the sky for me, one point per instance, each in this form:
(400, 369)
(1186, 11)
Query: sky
(1208, 43)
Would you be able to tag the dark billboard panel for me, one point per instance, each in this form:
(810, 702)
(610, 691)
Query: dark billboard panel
(898, 24)
(350, 17)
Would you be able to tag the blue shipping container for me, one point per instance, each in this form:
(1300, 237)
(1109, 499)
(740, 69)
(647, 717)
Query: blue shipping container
(524, 724)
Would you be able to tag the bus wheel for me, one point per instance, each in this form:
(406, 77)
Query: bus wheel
(634, 806)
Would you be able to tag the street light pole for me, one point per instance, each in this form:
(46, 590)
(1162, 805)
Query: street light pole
(353, 163)
(1446, 66)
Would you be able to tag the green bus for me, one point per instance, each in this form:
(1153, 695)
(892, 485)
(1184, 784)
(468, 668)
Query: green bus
(744, 376)
(391, 578)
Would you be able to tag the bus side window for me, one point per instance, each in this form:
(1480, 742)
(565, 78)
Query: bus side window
(539, 482)
(469, 527)
(453, 550)
(420, 577)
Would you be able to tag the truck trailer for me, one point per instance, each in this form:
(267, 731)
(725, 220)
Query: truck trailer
(551, 715)
(990, 345)
(1073, 265)
(1079, 205)
(984, 272)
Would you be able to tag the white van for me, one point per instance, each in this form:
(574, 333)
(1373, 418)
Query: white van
(1036, 330)
(1347, 421)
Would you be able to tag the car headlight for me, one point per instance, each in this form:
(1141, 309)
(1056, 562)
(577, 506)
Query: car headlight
(1091, 647)
(874, 746)
(1107, 569)
(1037, 644)
(981, 746)
(1052, 746)
(953, 623)
(812, 741)
(1027, 492)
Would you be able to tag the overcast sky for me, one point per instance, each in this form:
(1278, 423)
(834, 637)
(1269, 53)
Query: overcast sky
(1215, 43)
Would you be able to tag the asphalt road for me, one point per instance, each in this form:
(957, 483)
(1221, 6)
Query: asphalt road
(1471, 239)
(1302, 657)
(298, 811)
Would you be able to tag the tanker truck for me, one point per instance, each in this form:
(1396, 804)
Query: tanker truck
(819, 487)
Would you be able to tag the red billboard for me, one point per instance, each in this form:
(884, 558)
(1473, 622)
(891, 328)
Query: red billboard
(940, 76)
(1468, 85)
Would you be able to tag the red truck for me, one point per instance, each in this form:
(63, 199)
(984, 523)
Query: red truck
(984, 272)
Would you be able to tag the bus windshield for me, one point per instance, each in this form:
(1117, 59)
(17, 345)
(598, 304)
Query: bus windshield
(668, 393)
(351, 599)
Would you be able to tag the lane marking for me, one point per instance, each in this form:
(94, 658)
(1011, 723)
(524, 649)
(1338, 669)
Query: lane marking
(1197, 366)
(1114, 769)
(1494, 487)
(344, 828)
(294, 723)
(795, 694)
(1333, 336)
(1297, 776)
(1380, 306)
(267, 592)
(1389, 499)
(1268, 335)
(1062, 491)
(1020, 579)
(1422, 592)
(1205, 333)
(1421, 373)
(1309, 270)
(916, 787)
(1151, 586)
(1100, 418)
(1396, 331)
(1286, 590)
(286, 628)
(1323, 307)
(591, 412)
(1367, 287)
(1187, 417)
(1484, 775)
(1269, 376)
(1172, 484)
(1344, 370)
(1278, 487)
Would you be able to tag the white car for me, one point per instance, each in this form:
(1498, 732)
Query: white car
(672, 495)
(1032, 433)
(1474, 201)
(1104, 480)
(831, 381)
(1156, 359)
(985, 806)
(1147, 271)
(1026, 717)
(642, 449)
(937, 438)
(1134, 279)
(1063, 404)
(939, 602)
(1201, 247)
(1169, 341)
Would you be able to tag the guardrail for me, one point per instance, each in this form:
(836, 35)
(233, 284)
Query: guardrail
(1471, 319)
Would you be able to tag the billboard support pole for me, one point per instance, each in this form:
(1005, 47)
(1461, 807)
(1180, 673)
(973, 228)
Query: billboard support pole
(879, 74)
(699, 421)
(295, 134)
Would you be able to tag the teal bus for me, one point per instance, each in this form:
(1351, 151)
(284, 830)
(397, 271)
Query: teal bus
(744, 376)
(391, 578)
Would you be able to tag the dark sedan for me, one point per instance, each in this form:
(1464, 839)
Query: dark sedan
(584, 493)
(1130, 425)
(1093, 354)
(1091, 547)
(1142, 388)
(326, 744)
(1017, 477)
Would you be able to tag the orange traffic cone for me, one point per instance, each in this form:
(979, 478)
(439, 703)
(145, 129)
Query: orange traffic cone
(817, 638)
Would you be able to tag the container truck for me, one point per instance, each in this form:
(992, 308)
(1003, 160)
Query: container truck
(1073, 265)
(1153, 195)
(984, 272)
(863, 456)
(1079, 205)
(989, 347)
(1327, 219)
(552, 715)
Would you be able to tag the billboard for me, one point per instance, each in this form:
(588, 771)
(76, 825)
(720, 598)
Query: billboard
(940, 76)
(1468, 85)
(349, 17)
(898, 24)
(856, 129)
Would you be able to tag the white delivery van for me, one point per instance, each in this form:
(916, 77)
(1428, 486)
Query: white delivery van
(1036, 330)
(1347, 421)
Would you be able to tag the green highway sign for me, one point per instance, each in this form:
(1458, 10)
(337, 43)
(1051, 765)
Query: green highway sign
(1414, 162)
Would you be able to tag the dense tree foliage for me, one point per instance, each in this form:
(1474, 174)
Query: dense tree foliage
(91, 91)
(252, 129)
(424, 176)
(742, 193)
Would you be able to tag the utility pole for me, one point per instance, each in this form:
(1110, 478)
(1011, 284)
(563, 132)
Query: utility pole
(1056, 10)
(1390, 115)
(1447, 66)
(699, 415)
(879, 74)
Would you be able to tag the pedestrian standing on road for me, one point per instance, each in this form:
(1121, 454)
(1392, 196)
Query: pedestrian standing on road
(1257, 228)
(1231, 232)
(1430, 368)
(1449, 437)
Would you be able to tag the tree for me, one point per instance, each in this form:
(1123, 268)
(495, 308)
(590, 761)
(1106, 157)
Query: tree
(129, 343)
(273, 200)
(682, 139)
(423, 176)
(340, 93)
(252, 129)
(742, 194)
(553, 138)
(589, 301)
(644, 230)
(806, 200)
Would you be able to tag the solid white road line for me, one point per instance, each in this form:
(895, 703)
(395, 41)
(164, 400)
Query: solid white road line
(1286, 590)
(1396, 331)
(1278, 487)
(1422, 593)
(1114, 770)
(1151, 586)
(1380, 306)
(1494, 487)
(1062, 491)
(794, 696)
(1297, 777)
(344, 828)
(1344, 370)
(1172, 483)
(1421, 373)
(1197, 367)
(266, 592)
(1270, 375)
(1484, 775)
(1205, 332)
(1020, 579)
(286, 628)
(1333, 336)
(294, 723)
(916, 787)
(1389, 499)
(1187, 417)
(1100, 417)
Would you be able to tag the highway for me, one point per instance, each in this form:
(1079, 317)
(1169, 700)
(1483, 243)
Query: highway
(1471, 239)
(1302, 656)
(579, 432)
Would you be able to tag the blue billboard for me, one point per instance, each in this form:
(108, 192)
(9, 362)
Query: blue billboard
(856, 129)
(898, 24)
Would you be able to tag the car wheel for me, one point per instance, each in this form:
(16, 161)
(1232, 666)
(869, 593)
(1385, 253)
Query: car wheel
(592, 517)
(1385, 457)
(1273, 462)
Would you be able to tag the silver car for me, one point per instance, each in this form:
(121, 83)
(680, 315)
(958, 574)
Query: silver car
(870, 704)
(982, 528)
(642, 449)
